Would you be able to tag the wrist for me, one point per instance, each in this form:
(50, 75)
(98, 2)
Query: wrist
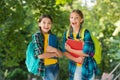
(54, 54)
(74, 59)
(55, 50)
(70, 50)
(39, 56)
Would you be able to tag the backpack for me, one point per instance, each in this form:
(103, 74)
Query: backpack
(97, 44)
(31, 62)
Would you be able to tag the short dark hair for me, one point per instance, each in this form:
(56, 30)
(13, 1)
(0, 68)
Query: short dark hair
(45, 16)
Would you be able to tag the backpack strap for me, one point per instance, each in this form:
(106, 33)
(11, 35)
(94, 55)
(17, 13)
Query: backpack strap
(67, 34)
(82, 31)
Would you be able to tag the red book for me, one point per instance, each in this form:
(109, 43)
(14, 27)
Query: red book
(74, 44)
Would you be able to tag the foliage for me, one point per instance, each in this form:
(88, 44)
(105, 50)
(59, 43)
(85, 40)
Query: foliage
(106, 13)
(62, 1)
(16, 75)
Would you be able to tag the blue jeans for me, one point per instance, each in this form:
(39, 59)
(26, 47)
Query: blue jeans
(51, 72)
(78, 74)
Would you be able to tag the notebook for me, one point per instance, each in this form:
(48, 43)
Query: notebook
(74, 44)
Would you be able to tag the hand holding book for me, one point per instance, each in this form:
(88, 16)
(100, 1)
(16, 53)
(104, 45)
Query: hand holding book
(74, 44)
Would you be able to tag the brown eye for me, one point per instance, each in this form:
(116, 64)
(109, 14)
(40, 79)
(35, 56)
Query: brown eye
(76, 17)
(49, 23)
(71, 17)
(43, 22)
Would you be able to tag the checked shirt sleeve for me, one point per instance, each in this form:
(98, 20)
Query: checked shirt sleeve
(38, 48)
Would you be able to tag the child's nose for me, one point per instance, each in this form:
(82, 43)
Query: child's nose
(46, 25)
(74, 19)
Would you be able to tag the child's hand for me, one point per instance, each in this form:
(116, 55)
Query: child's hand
(83, 42)
(67, 47)
(79, 59)
(51, 49)
(57, 52)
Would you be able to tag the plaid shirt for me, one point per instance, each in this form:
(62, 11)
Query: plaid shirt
(38, 40)
(89, 65)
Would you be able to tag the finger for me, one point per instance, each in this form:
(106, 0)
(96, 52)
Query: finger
(65, 44)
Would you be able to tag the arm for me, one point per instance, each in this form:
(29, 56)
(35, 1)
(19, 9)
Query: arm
(55, 50)
(69, 56)
(59, 53)
(78, 60)
(50, 52)
(47, 55)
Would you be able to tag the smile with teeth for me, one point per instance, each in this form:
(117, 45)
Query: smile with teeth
(74, 23)
(46, 28)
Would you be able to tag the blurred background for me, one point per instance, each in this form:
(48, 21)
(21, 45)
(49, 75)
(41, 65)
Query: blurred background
(18, 21)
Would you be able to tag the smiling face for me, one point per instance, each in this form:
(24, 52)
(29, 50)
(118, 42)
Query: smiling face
(75, 20)
(45, 24)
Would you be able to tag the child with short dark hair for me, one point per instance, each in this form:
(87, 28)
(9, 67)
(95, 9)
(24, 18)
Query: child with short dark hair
(45, 49)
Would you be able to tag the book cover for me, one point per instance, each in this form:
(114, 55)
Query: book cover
(74, 44)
